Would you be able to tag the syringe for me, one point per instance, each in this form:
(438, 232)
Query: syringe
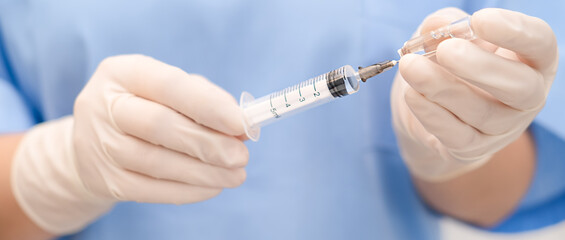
(313, 92)
(338, 83)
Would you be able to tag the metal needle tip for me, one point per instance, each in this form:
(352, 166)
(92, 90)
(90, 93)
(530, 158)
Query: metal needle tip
(375, 69)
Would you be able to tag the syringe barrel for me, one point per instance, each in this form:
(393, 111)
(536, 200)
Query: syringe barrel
(427, 43)
(305, 95)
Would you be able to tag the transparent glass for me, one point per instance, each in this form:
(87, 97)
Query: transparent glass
(308, 94)
(426, 44)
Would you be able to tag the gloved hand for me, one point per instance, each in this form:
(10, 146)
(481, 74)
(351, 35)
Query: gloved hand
(141, 131)
(452, 113)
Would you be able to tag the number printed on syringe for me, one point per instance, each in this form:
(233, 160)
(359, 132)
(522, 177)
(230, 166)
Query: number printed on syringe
(312, 92)
(293, 98)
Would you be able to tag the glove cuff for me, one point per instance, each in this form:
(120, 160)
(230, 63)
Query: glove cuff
(46, 183)
(435, 164)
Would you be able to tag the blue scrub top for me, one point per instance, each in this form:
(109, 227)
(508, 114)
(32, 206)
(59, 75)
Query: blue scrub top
(333, 172)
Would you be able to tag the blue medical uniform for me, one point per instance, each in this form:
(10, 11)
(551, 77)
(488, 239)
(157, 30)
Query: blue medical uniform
(333, 172)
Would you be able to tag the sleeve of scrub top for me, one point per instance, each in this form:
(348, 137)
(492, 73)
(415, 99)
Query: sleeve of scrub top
(15, 114)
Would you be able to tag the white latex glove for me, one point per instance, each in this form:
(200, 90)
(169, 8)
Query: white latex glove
(142, 131)
(451, 115)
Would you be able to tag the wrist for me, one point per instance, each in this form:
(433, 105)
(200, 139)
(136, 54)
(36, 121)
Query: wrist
(46, 183)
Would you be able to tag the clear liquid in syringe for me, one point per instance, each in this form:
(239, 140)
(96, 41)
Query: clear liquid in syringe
(310, 93)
